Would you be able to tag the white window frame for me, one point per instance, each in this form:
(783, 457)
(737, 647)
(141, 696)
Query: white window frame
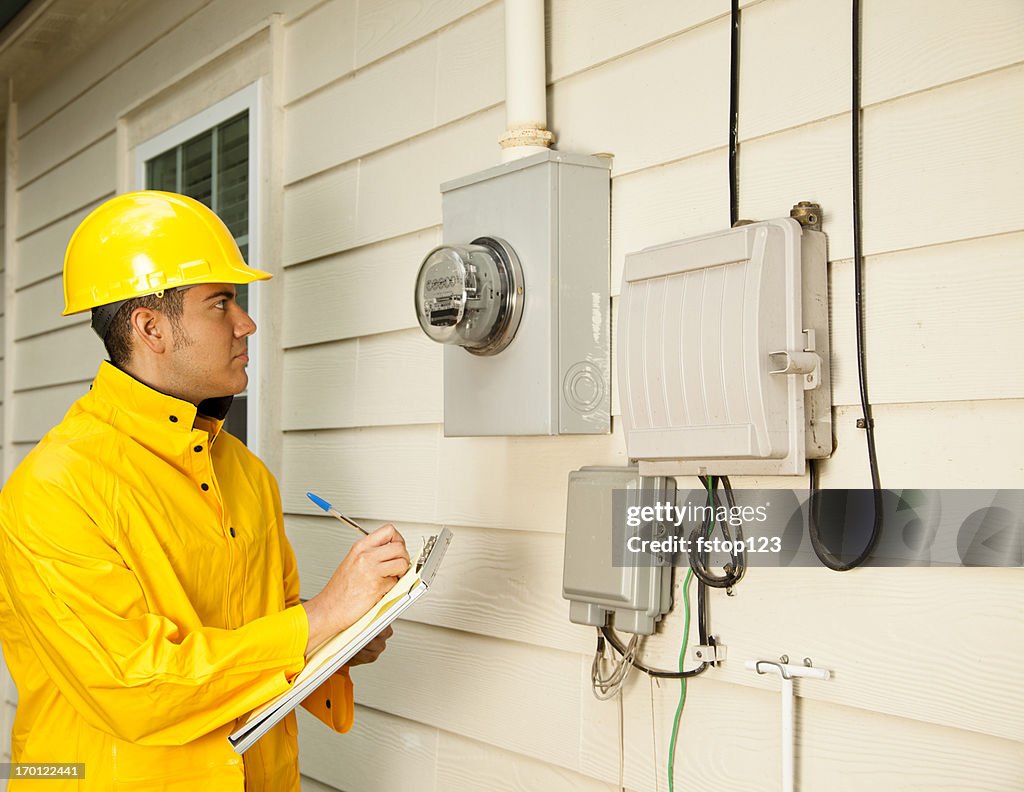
(247, 98)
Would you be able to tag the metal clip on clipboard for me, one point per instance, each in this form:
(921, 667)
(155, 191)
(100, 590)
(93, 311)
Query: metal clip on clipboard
(429, 561)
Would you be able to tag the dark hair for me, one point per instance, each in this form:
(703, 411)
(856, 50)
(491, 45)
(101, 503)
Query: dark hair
(118, 339)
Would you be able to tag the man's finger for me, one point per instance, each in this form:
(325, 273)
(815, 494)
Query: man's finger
(388, 533)
(395, 568)
(388, 552)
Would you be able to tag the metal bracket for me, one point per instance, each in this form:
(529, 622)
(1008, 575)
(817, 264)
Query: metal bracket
(807, 365)
(706, 653)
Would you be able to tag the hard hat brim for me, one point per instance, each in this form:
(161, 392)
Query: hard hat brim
(238, 276)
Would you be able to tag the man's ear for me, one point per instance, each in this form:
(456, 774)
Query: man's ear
(150, 328)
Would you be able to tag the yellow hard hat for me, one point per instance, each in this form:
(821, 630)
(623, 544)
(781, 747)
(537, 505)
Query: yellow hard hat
(145, 243)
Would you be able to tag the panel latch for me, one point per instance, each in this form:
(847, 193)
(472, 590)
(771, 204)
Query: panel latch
(806, 365)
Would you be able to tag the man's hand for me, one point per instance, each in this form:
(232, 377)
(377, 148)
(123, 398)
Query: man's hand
(373, 649)
(372, 566)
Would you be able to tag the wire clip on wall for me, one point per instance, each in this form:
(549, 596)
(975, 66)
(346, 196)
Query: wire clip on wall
(788, 673)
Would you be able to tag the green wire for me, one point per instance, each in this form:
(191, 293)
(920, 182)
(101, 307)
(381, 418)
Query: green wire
(682, 655)
(682, 683)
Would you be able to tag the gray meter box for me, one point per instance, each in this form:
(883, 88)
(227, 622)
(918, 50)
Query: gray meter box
(723, 353)
(552, 209)
(637, 595)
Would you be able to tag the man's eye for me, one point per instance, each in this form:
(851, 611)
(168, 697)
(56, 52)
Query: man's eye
(221, 304)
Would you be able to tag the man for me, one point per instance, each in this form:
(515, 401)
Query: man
(149, 598)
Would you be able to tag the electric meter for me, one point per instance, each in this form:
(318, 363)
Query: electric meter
(471, 295)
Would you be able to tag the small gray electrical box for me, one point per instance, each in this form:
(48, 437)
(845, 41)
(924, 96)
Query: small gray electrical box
(550, 213)
(637, 595)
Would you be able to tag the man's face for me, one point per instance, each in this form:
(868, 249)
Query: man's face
(208, 354)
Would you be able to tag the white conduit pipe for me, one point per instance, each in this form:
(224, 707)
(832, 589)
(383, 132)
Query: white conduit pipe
(787, 672)
(526, 109)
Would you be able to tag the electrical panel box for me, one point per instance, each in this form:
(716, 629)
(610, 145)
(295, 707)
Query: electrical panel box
(545, 367)
(636, 594)
(723, 352)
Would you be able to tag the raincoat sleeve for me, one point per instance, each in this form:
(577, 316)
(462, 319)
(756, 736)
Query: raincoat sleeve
(130, 672)
(332, 702)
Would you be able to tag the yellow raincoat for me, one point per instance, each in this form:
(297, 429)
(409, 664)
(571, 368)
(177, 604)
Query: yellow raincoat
(149, 600)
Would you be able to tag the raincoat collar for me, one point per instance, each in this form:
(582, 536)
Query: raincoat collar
(149, 407)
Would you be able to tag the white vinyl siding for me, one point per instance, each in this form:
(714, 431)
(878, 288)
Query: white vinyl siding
(8, 693)
(486, 684)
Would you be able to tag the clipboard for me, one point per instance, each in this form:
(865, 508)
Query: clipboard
(337, 651)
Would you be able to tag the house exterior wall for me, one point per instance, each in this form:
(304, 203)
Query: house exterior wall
(371, 106)
(8, 693)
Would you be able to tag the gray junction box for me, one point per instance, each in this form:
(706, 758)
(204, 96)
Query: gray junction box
(636, 595)
(552, 209)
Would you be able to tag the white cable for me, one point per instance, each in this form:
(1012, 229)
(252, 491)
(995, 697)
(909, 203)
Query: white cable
(607, 687)
(654, 736)
(622, 746)
(610, 686)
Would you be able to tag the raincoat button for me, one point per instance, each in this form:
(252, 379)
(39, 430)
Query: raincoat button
(174, 419)
(197, 449)
(204, 486)
(231, 531)
(328, 703)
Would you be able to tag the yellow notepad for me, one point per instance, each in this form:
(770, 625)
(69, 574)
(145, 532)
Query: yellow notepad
(337, 651)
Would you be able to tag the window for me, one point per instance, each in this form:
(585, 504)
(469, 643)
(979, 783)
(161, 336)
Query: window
(211, 157)
(212, 167)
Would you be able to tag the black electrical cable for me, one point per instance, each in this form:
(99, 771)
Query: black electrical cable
(702, 632)
(739, 553)
(858, 258)
(823, 553)
(734, 110)
(698, 555)
(732, 576)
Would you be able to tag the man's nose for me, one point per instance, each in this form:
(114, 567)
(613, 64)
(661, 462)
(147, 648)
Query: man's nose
(244, 325)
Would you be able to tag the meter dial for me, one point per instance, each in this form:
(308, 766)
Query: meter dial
(471, 295)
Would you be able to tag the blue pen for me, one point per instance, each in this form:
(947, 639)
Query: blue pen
(335, 513)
